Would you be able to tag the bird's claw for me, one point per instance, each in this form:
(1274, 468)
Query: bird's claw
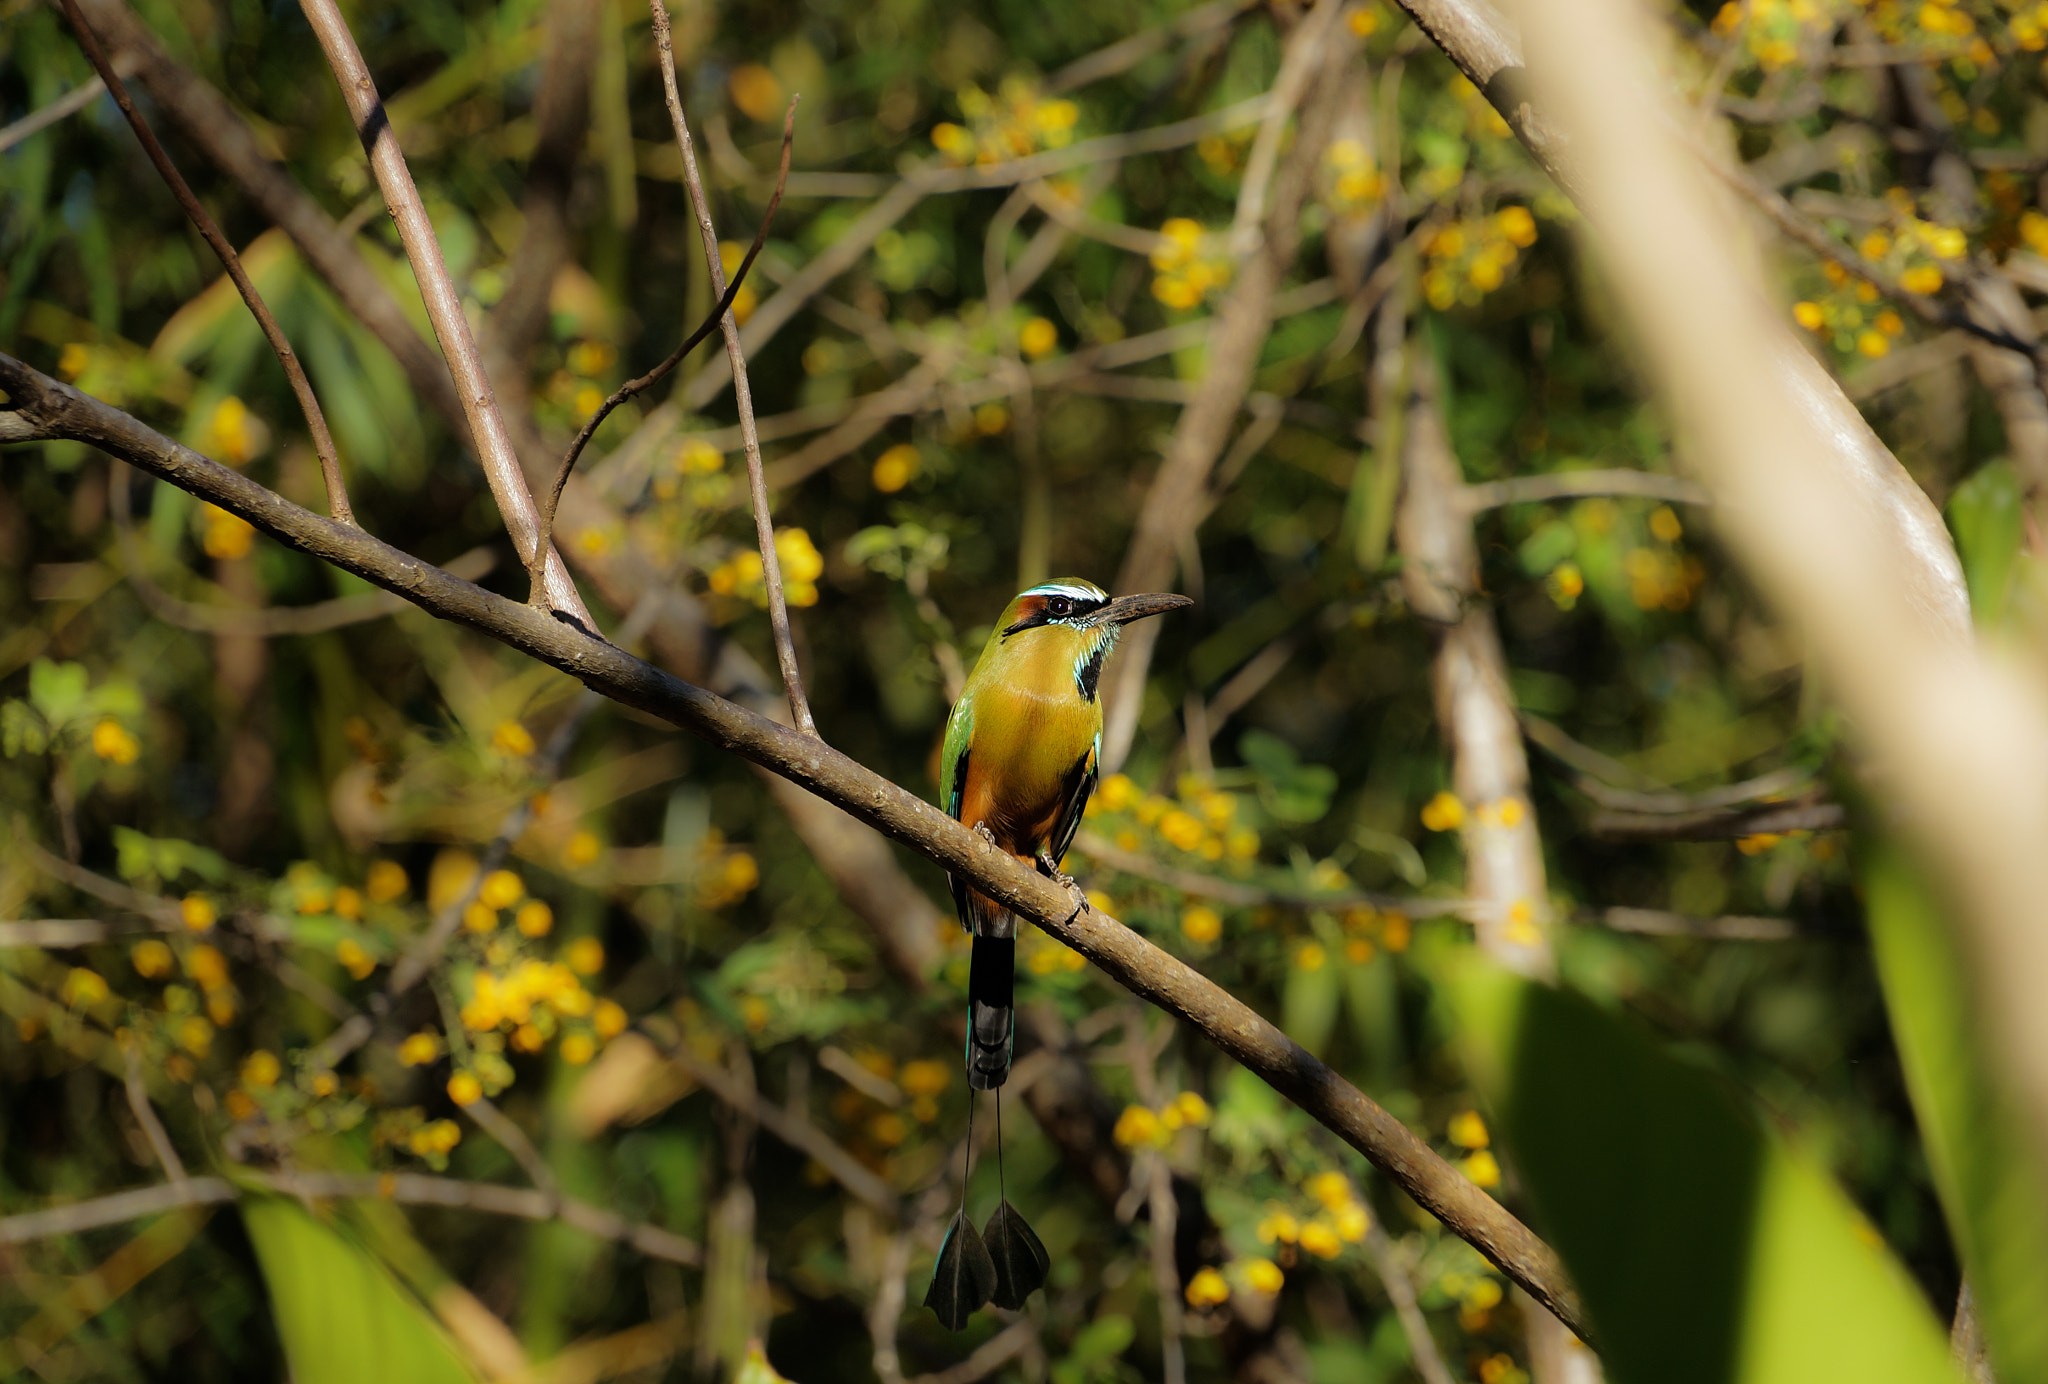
(1066, 882)
(988, 838)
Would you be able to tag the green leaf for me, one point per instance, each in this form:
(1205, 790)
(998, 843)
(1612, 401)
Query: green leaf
(57, 690)
(1976, 1145)
(1986, 515)
(139, 857)
(341, 1315)
(1288, 789)
(1708, 1252)
(22, 730)
(1308, 1003)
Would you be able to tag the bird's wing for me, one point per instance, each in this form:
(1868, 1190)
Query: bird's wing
(952, 787)
(1080, 785)
(953, 758)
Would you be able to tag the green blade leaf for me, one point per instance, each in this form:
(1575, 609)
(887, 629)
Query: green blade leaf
(342, 1316)
(1976, 1145)
(1708, 1252)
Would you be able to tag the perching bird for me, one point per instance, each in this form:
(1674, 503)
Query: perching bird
(1019, 763)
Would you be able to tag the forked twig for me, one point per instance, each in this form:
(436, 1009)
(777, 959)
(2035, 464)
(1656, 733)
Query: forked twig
(302, 388)
(675, 358)
(493, 441)
(743, 396)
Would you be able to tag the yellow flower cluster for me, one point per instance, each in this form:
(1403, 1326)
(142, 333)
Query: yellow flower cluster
(1142, 1127)
(697, 464)
(1189, 265)
(437, 1139)
(897, 467)
(1937, 30)
(234, 435)
(1444, 812)
(208, 969)
(1468, 1131)
(1365, 926)
(1207, 1289)
(260, 1070)
(1044, 955)
(1012, 124)
(1202, 822)
(82, 988)
(1659, 579)
(114, 743)
(386, 882)
(1914, 250)
(2030, 28)
(801, 562)
(151, 959)
(1340, 1220)
(198, 912)
(226, 536)
(727, 875)
(533, 992)
(731, 254)
(1565, 584)
(1224, 152)
(1470, 258)
(1354, 183)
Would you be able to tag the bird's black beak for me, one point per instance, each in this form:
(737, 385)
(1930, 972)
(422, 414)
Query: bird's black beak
(1125, 609)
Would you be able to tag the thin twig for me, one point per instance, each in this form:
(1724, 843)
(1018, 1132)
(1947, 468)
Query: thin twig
(1572, 485)
(65, 106)
(54, 932)
(1298, 65)
(414, 1189)
(1100, 849)
(487, 428)
(990, 1356)
(743, 394)
(1390, 1264)
(510, 1137)
(1723, 824)
(263, 622)
(145, 1115)
(1733, 927)
(1927, 307)
(302, 388)
(675, 357)
(789, 1126)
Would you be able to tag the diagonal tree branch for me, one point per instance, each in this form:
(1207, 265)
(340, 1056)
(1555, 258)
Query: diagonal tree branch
(444, 308)
(41, 408)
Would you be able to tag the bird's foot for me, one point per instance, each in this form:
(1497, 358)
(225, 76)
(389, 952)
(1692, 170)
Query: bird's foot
(988, 838)
(1067, 882)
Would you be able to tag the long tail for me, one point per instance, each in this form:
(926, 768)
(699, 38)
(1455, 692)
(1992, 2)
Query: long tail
(991, 996)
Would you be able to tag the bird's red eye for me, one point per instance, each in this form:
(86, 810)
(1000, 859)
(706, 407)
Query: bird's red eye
(1059, 605)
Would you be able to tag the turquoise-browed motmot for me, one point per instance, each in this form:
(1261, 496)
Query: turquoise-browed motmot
(1019, 762)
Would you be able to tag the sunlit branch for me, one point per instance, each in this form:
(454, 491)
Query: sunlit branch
(444, 309)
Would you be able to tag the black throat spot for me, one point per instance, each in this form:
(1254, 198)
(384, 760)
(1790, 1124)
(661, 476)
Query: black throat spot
(1090, 673)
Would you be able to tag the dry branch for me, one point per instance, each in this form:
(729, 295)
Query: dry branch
(41, 408)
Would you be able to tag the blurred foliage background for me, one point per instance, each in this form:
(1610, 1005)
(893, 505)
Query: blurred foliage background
(226, 823)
